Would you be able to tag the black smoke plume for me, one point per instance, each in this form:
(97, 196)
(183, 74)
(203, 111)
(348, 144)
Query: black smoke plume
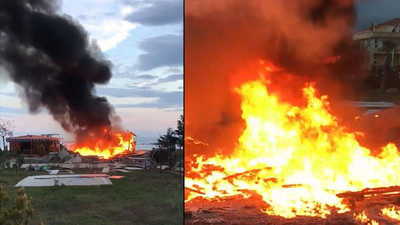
(50, 58)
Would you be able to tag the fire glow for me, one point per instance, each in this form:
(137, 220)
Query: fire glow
(296, 157)
(391, 213)
(112, 144)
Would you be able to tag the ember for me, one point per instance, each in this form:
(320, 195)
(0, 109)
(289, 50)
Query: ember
(110, 145)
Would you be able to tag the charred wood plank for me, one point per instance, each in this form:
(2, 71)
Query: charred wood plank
(370, 192)
(247, 173)
(194, 190)
(293, 185)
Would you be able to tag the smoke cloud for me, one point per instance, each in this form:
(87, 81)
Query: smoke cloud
(224, 37)
(50, 58)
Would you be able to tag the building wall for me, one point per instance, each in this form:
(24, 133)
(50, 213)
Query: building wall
(373, 42)
(25, 147)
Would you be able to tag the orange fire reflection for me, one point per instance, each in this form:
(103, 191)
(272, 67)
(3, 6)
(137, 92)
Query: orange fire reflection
(296, 157)
(110, 145)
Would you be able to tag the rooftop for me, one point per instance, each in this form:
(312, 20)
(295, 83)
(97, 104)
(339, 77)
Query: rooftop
(395, 22)
(33, 138)
(392, 22)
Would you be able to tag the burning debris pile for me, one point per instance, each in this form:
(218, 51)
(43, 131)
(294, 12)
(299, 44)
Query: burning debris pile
(113, 144)
(270, 134)
(49, 57)
(298, 158)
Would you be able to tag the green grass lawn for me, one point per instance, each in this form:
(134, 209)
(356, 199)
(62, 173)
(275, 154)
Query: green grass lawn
(141, 197)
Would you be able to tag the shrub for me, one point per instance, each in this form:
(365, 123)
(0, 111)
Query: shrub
(20, 213)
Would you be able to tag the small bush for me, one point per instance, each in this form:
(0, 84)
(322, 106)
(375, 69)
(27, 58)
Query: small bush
(20, 213)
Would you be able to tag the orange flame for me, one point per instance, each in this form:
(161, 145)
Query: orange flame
(297, 158)
(362, 217)
(111, 145)
(391, 213)
(192, 140)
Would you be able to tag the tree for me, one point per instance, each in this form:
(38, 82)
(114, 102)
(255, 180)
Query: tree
(21, 213)
(180, 132)
(167, 143)
(181, 140)
(166, 146)
(168, 140)
(6, 127)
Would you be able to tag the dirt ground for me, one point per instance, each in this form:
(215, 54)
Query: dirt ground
(240, 211)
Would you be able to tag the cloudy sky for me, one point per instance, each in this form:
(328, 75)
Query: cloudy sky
(144, 41)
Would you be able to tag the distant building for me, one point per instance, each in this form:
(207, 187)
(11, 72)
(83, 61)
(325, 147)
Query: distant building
(382, 42)
(34, 144)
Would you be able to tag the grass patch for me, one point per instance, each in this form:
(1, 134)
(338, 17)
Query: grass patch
(141, 197)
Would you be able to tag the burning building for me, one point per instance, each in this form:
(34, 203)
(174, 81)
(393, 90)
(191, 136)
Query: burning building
(269, 130)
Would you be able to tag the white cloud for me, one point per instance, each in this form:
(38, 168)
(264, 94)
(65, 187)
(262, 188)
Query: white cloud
(129, 100)
(108, 33)
(117, 82)
(125, 10)
(11, 102)
(102, 19)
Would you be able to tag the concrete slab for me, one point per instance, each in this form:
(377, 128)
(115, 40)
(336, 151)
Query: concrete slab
(105, 170)
(133, 168)
(64, 180)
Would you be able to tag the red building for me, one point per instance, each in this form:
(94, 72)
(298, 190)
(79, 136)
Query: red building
(34, 144)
